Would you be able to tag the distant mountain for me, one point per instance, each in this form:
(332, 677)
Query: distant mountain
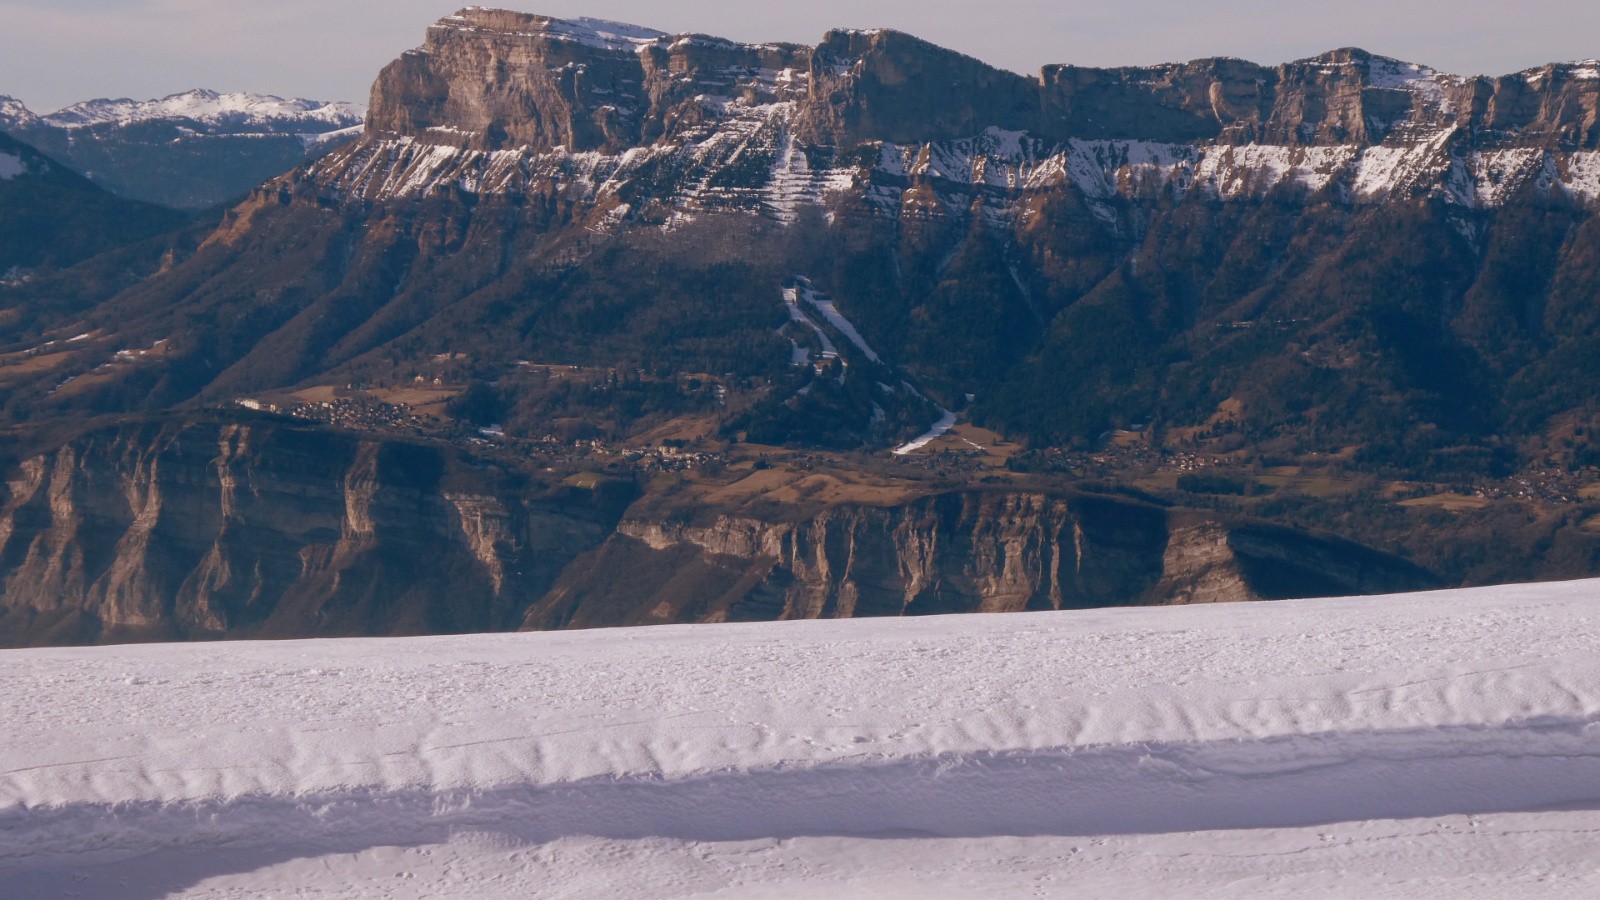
(51, 217)
(189, 150)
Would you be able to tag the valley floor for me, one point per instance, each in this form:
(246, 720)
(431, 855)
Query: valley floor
(1411, 746)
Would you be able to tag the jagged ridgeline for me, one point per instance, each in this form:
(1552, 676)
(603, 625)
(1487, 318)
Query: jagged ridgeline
(1347, 258)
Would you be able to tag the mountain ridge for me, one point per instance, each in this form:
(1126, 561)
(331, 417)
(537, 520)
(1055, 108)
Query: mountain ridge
(778, 283)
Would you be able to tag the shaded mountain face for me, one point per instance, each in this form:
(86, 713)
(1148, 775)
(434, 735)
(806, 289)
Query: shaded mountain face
(188, 151)
(1350, 276)
(51, 217)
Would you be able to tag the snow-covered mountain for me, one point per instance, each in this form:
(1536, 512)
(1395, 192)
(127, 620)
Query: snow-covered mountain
(189, 150)
(767, 127)
(217, 113)
(1418, 745)
(14, 115)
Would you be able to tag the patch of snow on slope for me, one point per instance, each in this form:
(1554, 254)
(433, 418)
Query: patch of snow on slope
(947, 421)
(327, 138)
(837, 319)
(1104, 169)
(1426, 83)
(1385, 171)
(602, 34)
(1582, 176)
(792, 182)
(1254, 169)
(1499, 173)
(11, 167)
(800, 356)
(1583, 69)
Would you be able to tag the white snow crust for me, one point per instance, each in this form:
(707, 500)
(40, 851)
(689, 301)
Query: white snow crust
(1438, 745)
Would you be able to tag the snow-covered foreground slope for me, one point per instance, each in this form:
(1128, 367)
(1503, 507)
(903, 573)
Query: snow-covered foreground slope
(1423, 745)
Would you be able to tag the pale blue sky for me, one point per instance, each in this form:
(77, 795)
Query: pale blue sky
(54, 52)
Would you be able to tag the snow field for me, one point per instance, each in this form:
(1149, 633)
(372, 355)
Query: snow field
(1285, 746)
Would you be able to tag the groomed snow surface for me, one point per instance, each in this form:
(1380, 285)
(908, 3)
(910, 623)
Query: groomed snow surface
(1435, 745)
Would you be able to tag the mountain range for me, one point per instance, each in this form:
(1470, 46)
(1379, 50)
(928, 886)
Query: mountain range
(188, 151)
(598, 325)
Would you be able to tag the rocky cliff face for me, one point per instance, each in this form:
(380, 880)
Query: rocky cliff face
(207, 530)
(204, 530)
(962, 552)
(501, 102)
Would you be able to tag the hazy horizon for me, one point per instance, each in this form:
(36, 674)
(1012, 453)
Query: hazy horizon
(57, 52)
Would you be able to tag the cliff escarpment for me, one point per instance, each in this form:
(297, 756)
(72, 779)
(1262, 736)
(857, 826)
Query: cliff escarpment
(950, 552)
(208, 530)
(489, 79)
(258, 528)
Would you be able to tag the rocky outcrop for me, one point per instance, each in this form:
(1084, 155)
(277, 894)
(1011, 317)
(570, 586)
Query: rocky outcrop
(985, 552)
(207, 530)
(493, 80)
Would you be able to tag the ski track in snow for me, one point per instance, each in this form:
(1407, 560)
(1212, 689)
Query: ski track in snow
(1423, 745)
(830, 312)
(801, 356)
(835, 318)
(947, 421)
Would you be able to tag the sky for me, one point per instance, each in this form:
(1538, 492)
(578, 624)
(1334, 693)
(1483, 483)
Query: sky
(56, 52)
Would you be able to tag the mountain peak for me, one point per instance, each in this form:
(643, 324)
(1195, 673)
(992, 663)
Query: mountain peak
(15, 115)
